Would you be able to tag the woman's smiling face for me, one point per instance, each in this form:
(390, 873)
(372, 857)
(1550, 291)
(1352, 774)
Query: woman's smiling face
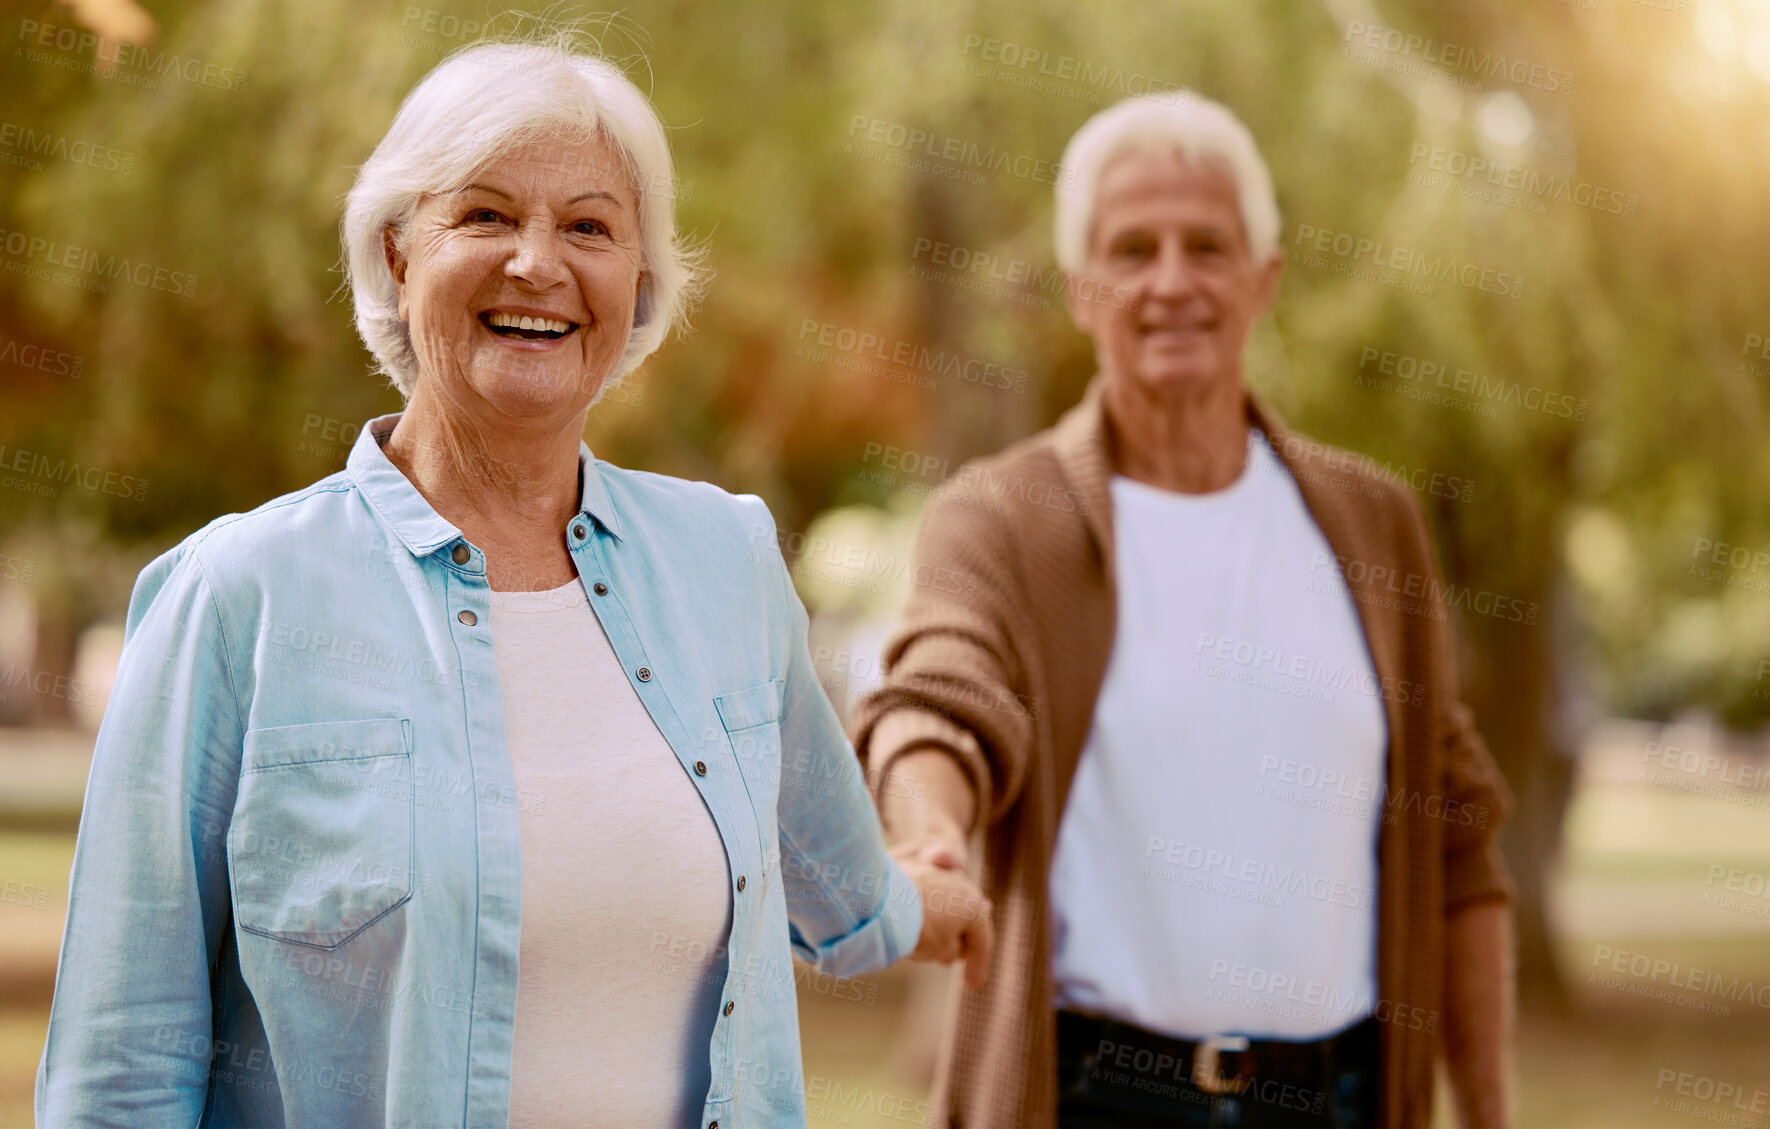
(519, 290)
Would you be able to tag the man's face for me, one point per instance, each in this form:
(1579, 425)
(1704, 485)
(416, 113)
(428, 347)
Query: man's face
(1170, 288)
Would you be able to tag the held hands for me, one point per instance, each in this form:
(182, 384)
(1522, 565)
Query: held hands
(956, 917)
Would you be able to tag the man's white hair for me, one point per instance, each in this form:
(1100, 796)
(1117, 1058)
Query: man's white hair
(1199, 128)
(474, 107)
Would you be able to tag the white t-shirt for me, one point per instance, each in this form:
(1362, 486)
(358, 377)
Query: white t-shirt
(1216, 866)
(617, 848)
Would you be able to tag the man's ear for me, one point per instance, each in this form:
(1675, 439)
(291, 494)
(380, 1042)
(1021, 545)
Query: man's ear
(1081, 310)
(1266, 286)
(396, 264)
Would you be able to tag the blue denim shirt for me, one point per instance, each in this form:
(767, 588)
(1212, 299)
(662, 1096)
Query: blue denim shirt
(296, 891)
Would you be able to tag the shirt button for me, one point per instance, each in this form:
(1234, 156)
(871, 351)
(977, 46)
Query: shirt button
(645, 674)
(700, 768)
(600, 589)
(461, 554)
(578, 532)
(740, 883)
(467, 617)
(729, 1004)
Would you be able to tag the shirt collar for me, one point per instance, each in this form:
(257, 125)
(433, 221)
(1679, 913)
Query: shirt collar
(420, 527)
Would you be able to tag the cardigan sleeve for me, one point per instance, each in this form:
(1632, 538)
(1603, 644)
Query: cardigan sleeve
(954, 680)
(1476, 803)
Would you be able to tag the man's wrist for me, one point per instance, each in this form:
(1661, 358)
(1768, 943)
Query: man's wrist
(926, 789)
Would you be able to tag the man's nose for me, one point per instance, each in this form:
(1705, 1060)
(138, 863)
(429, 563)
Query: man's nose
(1173, 274)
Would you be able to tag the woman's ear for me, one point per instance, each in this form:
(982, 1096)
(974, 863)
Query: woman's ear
(396, 264)
(642, 300)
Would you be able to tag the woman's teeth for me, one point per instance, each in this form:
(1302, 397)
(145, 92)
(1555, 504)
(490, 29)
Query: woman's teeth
(520, 324)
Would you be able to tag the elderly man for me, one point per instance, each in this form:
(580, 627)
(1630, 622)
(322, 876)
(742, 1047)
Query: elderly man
(1202, 707)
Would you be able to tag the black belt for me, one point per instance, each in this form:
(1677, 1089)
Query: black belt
(1221, 1065)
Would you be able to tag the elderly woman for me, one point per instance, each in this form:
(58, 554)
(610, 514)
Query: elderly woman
(482, 781)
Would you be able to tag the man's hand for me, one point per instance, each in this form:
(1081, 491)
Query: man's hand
(956, 917)
(926, 809)
(929, 805)
(936, 840)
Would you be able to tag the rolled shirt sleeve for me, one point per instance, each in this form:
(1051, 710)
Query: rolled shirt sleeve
(129, 1039)
(851, 908)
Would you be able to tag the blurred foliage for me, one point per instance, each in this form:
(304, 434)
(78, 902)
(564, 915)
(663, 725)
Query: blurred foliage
(251, 387)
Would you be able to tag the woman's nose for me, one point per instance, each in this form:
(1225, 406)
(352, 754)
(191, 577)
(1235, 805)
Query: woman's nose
(536, 259)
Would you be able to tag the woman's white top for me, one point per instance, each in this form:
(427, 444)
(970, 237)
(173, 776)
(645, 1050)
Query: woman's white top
(625, 897)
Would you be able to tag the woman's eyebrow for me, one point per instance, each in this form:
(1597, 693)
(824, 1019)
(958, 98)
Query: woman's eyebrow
(594, 194)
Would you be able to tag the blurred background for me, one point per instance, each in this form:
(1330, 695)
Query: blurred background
(874, 183)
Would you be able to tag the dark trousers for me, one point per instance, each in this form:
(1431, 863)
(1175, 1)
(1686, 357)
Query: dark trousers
(1113, 1075)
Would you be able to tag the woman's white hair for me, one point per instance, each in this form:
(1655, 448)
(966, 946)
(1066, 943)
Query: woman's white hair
(479, 104)
(1199, 128)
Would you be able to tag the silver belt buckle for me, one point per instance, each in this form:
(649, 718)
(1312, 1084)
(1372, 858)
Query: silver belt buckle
(1206, 1057)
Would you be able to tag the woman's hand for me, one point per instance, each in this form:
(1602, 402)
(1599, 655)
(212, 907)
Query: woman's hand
(956, 917)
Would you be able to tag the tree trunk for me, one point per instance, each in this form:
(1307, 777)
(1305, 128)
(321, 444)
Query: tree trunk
(1510, 682)
(52, 665)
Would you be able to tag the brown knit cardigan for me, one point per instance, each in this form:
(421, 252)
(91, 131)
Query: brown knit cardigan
(999, 664)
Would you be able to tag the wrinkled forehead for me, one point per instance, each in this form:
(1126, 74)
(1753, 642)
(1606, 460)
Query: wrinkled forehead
(1155, 182)
(560, 164)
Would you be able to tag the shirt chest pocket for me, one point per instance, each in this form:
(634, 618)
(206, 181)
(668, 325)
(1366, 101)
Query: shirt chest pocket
(320, 845)
(752, 718)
